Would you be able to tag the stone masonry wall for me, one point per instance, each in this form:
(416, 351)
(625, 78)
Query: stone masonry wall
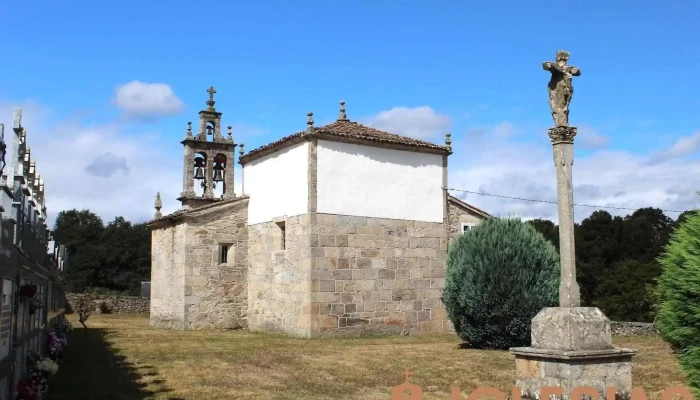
(633, 328)
(215, 293)
(456, 216)
(116, 304)
(167, 277)
(376, 276)
(279, 280)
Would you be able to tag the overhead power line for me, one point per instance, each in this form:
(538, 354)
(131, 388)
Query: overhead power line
(553, 202)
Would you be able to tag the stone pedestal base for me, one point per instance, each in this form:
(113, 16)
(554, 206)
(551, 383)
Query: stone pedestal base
(600, 369)
(571, 348)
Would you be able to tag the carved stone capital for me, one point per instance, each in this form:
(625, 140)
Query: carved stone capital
(562, 134)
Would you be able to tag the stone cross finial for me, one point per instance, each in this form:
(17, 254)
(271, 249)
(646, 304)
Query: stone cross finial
(241, 151)
(342, 116)
(448, 141)
(211, 101)
(560, 87)
(159, 205)
(189, 130)
(309, 122)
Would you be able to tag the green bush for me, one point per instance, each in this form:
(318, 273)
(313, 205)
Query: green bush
(679, 292)
(499, 276)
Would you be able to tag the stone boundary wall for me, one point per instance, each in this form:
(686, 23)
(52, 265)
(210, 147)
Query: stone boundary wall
(633, 328)
(114, 304)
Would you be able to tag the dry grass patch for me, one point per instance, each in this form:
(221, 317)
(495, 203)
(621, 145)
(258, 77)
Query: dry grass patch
(121, 357)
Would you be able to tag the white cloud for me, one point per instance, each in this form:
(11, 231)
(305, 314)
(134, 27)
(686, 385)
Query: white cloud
(418, 122)
(147, 100)
(684, 146)
(106, 168)
(490, 160)
(113, 171)
(98, 167)
(589, 138)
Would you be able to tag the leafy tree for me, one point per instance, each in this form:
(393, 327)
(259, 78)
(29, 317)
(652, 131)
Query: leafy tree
(644, 235)
(679, 292)
(125, 256)
(547, 229)
(75, 228)
(682, 217)
(84, 305)
(623, 291)
(597, 248)
(499, 276)
(115, 257)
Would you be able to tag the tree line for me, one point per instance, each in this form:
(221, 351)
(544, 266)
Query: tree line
(616, 260)
(616, 257)
(112, 258)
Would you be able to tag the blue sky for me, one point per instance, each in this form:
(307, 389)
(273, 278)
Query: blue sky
(476, 63)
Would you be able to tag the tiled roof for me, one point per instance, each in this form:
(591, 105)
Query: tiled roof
(351, 130)
(180, 213)
(468, 206)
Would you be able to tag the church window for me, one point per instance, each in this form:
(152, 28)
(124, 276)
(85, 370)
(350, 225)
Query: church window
(284, 236)
(226, 253)
(280, 238)
(223, 257)
(467, 226)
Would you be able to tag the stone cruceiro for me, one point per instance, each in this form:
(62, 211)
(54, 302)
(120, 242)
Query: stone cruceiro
(571, 345)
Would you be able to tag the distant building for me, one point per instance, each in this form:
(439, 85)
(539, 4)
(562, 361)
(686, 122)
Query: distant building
(341, 230)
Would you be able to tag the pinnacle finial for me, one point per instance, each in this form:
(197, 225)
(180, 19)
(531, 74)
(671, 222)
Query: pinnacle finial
(342, 116)
(159, 205)
(189, 130)
(241, 151)
(310, 122)
(211, 101)
(448, 141)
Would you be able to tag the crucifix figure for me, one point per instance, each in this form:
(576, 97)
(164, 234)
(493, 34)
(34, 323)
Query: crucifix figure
(211, 92)
(560, 87)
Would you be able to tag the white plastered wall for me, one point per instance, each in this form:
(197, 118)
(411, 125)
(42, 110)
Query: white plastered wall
(278, 184)
(377, 182)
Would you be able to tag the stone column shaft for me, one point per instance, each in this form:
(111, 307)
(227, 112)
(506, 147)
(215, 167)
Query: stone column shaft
(209, 177)
(229, 172)
(569, 292)
(188, 173)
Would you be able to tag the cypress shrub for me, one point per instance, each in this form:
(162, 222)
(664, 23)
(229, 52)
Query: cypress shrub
(499, 276)
(678, 319)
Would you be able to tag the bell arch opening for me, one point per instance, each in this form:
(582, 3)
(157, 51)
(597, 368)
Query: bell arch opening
(200, 173)
(219, 175)
(210, 129)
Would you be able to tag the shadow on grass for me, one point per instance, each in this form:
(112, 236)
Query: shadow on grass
(92, 370)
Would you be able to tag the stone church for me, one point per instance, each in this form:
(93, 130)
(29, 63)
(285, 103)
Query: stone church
(339, 230)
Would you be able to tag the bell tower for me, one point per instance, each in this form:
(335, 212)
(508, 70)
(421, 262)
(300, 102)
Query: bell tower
(208, 163)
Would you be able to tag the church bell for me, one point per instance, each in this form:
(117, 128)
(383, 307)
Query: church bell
(199, 173)
(218, 175)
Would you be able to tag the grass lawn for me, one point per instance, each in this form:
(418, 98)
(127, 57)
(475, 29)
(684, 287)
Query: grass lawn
(121, 357)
